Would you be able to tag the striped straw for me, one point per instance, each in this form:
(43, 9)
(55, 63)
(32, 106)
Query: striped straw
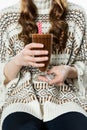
(39, 24)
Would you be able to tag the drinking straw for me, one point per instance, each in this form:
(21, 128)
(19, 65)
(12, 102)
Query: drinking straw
(39, 24)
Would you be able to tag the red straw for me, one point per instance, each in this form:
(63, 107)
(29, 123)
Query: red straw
(39, 24)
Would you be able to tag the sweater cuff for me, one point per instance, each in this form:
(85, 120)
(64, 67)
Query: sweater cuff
(2, 75)
(80, 82)
(2, 86)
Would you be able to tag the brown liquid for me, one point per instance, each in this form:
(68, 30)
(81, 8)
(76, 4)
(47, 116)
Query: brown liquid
(45, 39)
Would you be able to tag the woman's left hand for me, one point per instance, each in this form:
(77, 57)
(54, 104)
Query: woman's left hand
(60, 72)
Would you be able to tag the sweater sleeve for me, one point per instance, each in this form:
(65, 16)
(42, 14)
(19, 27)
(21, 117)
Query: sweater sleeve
(6, 53)
(4, 50)
(80, 54)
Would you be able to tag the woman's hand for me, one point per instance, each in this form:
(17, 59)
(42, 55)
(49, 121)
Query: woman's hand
(26, 56)
(61, 74)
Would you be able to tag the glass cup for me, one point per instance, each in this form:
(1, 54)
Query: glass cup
(46, 40)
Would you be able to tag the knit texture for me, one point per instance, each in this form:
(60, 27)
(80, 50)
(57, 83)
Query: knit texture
(36, 97)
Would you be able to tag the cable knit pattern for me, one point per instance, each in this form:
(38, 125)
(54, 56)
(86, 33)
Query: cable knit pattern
(26, 93)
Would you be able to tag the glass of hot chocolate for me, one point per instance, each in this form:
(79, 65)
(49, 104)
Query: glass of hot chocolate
(46, 40)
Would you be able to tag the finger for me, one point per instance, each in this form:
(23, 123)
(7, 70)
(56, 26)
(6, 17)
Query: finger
(60, 84)
(36, 64)
(36, 59)
(39, 59)
(37, 52)
(34, 45)
(42, 78)
(26, 52)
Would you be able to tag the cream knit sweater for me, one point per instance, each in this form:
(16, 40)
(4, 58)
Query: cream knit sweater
(35, 97)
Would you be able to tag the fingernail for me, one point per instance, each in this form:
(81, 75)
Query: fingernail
(42, 45)
(46, 52)
(43, 65)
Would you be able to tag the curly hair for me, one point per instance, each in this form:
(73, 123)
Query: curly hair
(59, 26)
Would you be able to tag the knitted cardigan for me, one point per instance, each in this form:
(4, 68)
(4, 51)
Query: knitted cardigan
(36, 97)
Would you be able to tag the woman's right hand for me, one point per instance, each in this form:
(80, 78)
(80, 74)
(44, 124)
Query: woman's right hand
(26, 56)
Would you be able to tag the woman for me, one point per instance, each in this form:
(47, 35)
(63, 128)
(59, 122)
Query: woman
(42, 104)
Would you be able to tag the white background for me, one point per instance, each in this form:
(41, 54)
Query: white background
(5, 3)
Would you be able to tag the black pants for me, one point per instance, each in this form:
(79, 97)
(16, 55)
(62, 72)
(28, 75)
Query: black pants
(24, 121)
